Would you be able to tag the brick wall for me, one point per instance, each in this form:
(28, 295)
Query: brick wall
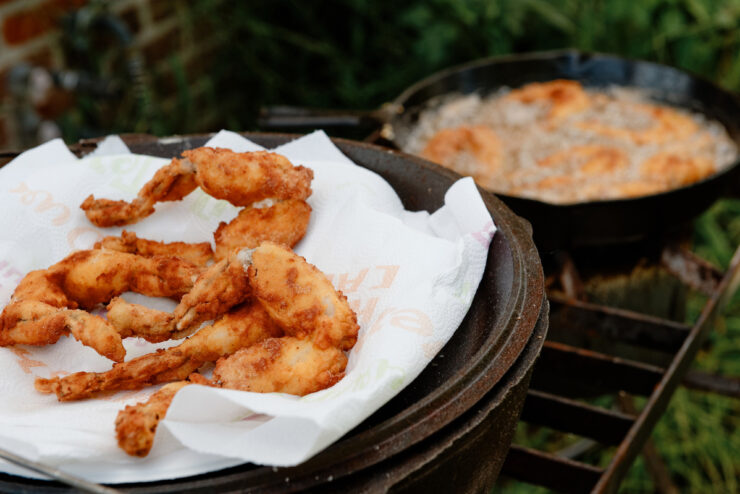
(30, 33)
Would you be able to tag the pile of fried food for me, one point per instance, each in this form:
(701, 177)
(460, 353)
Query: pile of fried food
(276, 322)
(558, 142)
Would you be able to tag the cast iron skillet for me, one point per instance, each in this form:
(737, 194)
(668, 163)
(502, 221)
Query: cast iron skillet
(595, 223)
(507, 307)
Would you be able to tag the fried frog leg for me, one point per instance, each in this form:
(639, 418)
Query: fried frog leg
(243, 326)
(170, 183)
(281, 365)
(240, 178)
(246, 178)
(284, 222)
(44, 305)
(137, 424)
(319, 324)
(199, 254)
(220, 287)
(300, 298)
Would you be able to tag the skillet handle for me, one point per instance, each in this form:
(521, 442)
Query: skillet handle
(278, 117)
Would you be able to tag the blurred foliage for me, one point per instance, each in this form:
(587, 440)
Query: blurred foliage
(358, 54)
(366, 53)
(98, 44)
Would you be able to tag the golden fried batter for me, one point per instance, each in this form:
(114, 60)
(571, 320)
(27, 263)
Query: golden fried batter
(137, 424)
(198, 254)
(579, 168)
(560, 143)
(220, 287)
(240, 178)
(283, 223)
(478, 141)
(282, 365)
(171, 183)
(276, 365)
(239, 328)
(35, 323)
(564, 96)
(666, 124)
(246, 178)
(636, 188)
(300, 298)
(590, 159)
(674, 170)
(137, 320)
(318, 325)
(43, 306)
(91, 277)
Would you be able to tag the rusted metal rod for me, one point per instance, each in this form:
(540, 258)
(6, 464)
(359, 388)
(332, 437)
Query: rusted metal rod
(713, 383)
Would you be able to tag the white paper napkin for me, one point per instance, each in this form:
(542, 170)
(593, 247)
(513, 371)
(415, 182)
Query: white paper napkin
(410, 276)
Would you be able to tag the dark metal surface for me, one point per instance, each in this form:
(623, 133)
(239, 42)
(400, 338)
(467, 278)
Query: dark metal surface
(592, 223)
(490, 355)
(595, 222)
(570, 370)
(712, 383)
(595, 350)
(572, 318)
(578, 372)
(553, 472)
(563, 414)
(658, 401)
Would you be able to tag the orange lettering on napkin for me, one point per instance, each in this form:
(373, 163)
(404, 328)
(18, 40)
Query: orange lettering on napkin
(389, 274)
(348, 285)
(25, 362)
(83, 237)
(28, 196)
(371, 278)
(8, 271)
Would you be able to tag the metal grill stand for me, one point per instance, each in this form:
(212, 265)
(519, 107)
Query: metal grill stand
(593, 350)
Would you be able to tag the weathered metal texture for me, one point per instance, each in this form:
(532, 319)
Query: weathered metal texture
(658, 401)
(712, 383)
(691, 269)
(618, 324)
(465, 402)
(571, 367)
(576, 372)
(554, 472)
(563, 414)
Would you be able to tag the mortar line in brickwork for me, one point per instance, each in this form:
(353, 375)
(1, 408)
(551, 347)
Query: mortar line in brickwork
(17, 6)
(155, 32)
(145, 15)
(10, 56)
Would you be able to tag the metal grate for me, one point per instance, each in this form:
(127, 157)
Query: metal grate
(585, 357)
